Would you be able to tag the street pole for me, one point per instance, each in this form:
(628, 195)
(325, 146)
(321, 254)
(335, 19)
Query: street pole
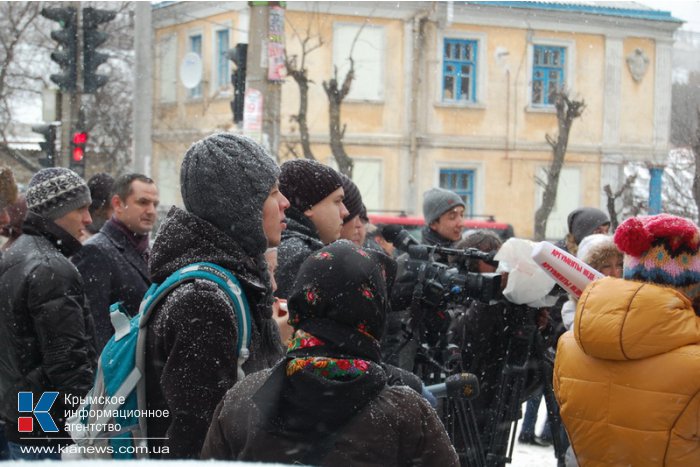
(143, 90)
(257, 75)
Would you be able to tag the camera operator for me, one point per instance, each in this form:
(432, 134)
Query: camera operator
(443, 211)
(474, 336)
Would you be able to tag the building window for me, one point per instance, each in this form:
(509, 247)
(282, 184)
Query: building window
(461, 181)
(367, 46)
(459, 59)
(196, 47)
(548, 75)
(223, 74)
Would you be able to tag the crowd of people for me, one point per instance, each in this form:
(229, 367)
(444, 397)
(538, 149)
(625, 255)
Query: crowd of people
(335, 370)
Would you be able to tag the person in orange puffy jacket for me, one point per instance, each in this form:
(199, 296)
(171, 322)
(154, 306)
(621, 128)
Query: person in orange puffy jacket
(627, 377)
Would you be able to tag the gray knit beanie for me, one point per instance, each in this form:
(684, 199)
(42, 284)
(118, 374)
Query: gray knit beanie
(56, 191)
(225, 180)
(583, 221)
(438, 201)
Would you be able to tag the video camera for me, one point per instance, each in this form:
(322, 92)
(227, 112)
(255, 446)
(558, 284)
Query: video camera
(442, 283)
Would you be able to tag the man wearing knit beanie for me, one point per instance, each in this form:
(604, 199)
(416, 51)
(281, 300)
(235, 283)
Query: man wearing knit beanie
(233, 212)
(443, 211)
(353, 226)
(583, 222)
(315, 217)
(44, 317)
(629, 370)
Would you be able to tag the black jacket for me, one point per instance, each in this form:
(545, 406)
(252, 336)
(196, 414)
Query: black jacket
(358, 422)
(45, 326)
(113, 271)
(299, 240)
(191, 336)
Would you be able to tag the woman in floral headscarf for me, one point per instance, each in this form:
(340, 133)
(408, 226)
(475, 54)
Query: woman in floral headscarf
(328, 402)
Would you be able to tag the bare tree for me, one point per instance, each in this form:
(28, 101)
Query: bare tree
(19, 79)
(696, 154)
(298, 71)
(613, 197)
(336, 95)
(685, 133)
(335, 99)
(567, 111)
(25, 67)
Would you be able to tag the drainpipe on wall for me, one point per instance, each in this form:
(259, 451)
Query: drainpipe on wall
(418, 42)
(655, 184)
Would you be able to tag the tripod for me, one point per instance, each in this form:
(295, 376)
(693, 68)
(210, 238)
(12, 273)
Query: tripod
(525, 356)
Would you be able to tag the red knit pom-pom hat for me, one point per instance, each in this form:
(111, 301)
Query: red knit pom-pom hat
(662, 249)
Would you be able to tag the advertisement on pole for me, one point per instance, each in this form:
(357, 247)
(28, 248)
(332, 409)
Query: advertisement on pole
(253, 114)
(276, 70)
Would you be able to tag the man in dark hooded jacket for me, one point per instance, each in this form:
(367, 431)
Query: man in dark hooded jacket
(315, 193)
(46, 329)
(233, 212)
(328, 403)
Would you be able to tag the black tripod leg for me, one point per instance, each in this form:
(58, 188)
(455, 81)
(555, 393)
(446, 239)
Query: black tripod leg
(553, 414)
(500, 448)
(465, 414)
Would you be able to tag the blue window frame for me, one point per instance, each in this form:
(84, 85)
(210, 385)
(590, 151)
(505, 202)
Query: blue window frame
(461, 181)
(196, 47)
(548, 74)
(223, 77)
(459, 61)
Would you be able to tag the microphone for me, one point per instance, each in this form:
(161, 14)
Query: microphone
(461, 386)
(569, 271)
(398, 236)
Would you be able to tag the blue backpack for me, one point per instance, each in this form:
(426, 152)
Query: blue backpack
(111, 422)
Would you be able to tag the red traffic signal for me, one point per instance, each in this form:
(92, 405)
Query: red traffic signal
(79, 140)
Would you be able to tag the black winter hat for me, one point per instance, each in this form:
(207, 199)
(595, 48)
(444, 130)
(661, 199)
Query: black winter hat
(55, 191)
(225, 180)
(583, 221)
(100, 190)
(341, 296)
(305, 182)
(352, 199)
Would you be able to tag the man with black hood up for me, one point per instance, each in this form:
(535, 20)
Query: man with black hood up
(328, 403)
(233, 212)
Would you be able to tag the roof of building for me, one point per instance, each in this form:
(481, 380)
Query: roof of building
(621, 9)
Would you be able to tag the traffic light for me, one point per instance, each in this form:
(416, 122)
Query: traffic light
(67, 38)
(48, 145)
(77, 160)
(238, 56)
(92, 39)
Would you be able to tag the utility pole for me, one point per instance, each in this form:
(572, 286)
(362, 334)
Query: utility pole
(257, 74)
(143, 90)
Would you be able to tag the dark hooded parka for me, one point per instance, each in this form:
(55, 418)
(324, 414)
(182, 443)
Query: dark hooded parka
(192, 335)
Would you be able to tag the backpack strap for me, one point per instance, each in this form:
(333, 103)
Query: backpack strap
(226, 282)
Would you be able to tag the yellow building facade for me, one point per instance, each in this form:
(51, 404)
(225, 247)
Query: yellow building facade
(452, 94)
